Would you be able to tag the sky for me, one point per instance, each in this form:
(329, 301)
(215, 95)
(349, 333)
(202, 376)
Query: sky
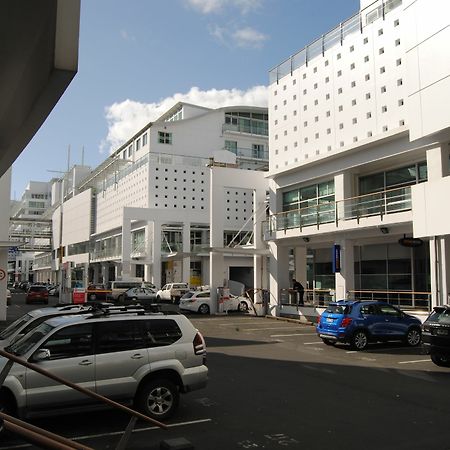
(137, 58)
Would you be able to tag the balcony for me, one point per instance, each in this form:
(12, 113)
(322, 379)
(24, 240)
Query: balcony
(249, 153)
(355, 208)
(260, 129)
(106, 254)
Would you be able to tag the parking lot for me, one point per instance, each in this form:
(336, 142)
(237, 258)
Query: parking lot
(273, 384)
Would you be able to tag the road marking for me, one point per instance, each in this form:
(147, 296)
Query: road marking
(293, 334)
(269, 328)
(352, 351)
(117, 433)
(413, 362)
(313, 343)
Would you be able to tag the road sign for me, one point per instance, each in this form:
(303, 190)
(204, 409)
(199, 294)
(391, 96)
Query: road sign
(2, 274)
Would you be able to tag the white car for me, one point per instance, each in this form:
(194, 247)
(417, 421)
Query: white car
(172, 292)
(200, 302)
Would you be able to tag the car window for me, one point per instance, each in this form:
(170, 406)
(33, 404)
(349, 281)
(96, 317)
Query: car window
(16, 325)
(162, 332)
(440, 315)
(203, 294)
(389, 310)
(70, 342)
(369, 310)
(120, 336)
(338, 309)
(28, 341)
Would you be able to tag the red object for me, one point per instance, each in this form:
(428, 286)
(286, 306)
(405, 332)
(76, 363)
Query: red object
(346, 321)
(79, 296)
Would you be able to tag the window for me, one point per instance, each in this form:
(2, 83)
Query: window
(144, 139)
(231, 146)
(381, 51)
(130, 151)
(121, 336)
(70, 342)
(398, 62)
(164, 138)
(366, 59)
(138, 144)
(397, 42)
(163, 332)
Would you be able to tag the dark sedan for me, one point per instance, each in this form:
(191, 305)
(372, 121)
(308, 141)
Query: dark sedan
(436, 335)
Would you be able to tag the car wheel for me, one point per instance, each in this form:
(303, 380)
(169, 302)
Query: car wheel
(6, 407)
(440, 360)
(329, 342)
(158, 298)
(243, 307)
(413, 337)
(158, 399)
(120, 298)
(203, 309)
(359, 340)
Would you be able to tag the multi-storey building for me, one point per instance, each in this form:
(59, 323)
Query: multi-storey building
(359, 158)
(144, 212)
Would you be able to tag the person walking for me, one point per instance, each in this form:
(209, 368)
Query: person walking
(300, 290)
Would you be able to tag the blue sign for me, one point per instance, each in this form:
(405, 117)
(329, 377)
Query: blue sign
(336, 258)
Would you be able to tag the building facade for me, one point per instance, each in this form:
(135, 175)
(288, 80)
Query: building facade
(359, 159)
(144, 213)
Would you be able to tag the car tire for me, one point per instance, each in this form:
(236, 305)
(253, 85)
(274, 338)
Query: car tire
(359, 340)
(203, 309)
(440, 360)
(243, 307)
(6, 407)
(329, 342)
(120, 298)
(413, 337)
(158, 399)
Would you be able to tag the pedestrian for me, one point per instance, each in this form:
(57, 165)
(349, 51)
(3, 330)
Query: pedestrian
(300, 290)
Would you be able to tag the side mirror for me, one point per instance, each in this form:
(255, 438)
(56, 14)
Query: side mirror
(41, 355)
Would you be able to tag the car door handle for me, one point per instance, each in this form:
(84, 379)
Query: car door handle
(137, 356)
(85, 362)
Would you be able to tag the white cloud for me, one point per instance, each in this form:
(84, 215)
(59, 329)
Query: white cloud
(249, 38)
(128, 117)
(217, 6)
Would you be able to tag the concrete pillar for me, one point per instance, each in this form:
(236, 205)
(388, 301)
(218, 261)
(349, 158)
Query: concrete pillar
(437, 162)
(300, 264)
(345, 279)
(445, 268)
(343, 188)
(156, 253)
(278, 276)
(186, 270)
(126, 248)
(217, 277)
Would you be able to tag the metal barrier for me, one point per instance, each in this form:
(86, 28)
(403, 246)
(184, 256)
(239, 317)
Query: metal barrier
(49, 439)
(312, 297)
(402, 299)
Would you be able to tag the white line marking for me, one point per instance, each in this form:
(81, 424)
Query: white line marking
(293, 334)
(313, 343)
(117, 433)
(352, 351)
(413, 362)
(269, 328)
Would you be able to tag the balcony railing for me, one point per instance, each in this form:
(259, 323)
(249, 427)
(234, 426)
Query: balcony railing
(404, 300)
(355, 208)
(253, 128)
(107, 253)
(249, 153)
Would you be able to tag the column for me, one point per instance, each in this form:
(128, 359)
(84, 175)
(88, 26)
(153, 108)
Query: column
(435, 272)
(217, 277)
(186, 270)
(342, 190)
(300, 264)
(156, 253)
(278, 275)
(345, 279)
(437, 162)
(126, 247)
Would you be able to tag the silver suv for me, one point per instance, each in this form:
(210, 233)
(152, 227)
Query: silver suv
(144, 360)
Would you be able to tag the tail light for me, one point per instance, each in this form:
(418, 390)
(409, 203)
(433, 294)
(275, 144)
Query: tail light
(199, 344)
(346, 321)
(318, 319)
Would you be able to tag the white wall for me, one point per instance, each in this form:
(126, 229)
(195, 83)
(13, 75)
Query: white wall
(427, 37)
(77, 218)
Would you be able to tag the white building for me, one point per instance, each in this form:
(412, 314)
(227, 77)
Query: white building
(359, 159)
(144, 212)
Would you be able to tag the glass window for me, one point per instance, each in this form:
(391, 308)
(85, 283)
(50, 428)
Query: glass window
(231, 146)
(163, 332)
(117, 336)
(164, 138)
(70, 342)
(405, 175)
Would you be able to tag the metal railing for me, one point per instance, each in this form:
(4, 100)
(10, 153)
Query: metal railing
(253, 128)
(376, 204)
(50, 440)
(336, 36)
(405, 300)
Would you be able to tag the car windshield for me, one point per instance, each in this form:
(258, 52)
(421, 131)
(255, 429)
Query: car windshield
(16, 325)
(188, 295)
(25, 343)
(338, 309)
(441, 316)
(37, 288)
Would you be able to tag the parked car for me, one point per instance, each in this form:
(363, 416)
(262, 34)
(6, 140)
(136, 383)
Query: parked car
(33, 318)
(172, 292)
(358, 323)
(200, 302)
(8, 297)
(145, 360)
(53, 290)
(37, 294)
(97, 292)
(141, 295)
(436, 335)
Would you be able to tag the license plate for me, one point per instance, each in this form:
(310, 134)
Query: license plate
(330, 320)
(442, 332)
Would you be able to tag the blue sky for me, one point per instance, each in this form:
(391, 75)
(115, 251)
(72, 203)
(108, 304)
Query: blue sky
(138, 57)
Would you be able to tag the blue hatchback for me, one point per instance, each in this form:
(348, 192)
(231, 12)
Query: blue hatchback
(359, 322)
